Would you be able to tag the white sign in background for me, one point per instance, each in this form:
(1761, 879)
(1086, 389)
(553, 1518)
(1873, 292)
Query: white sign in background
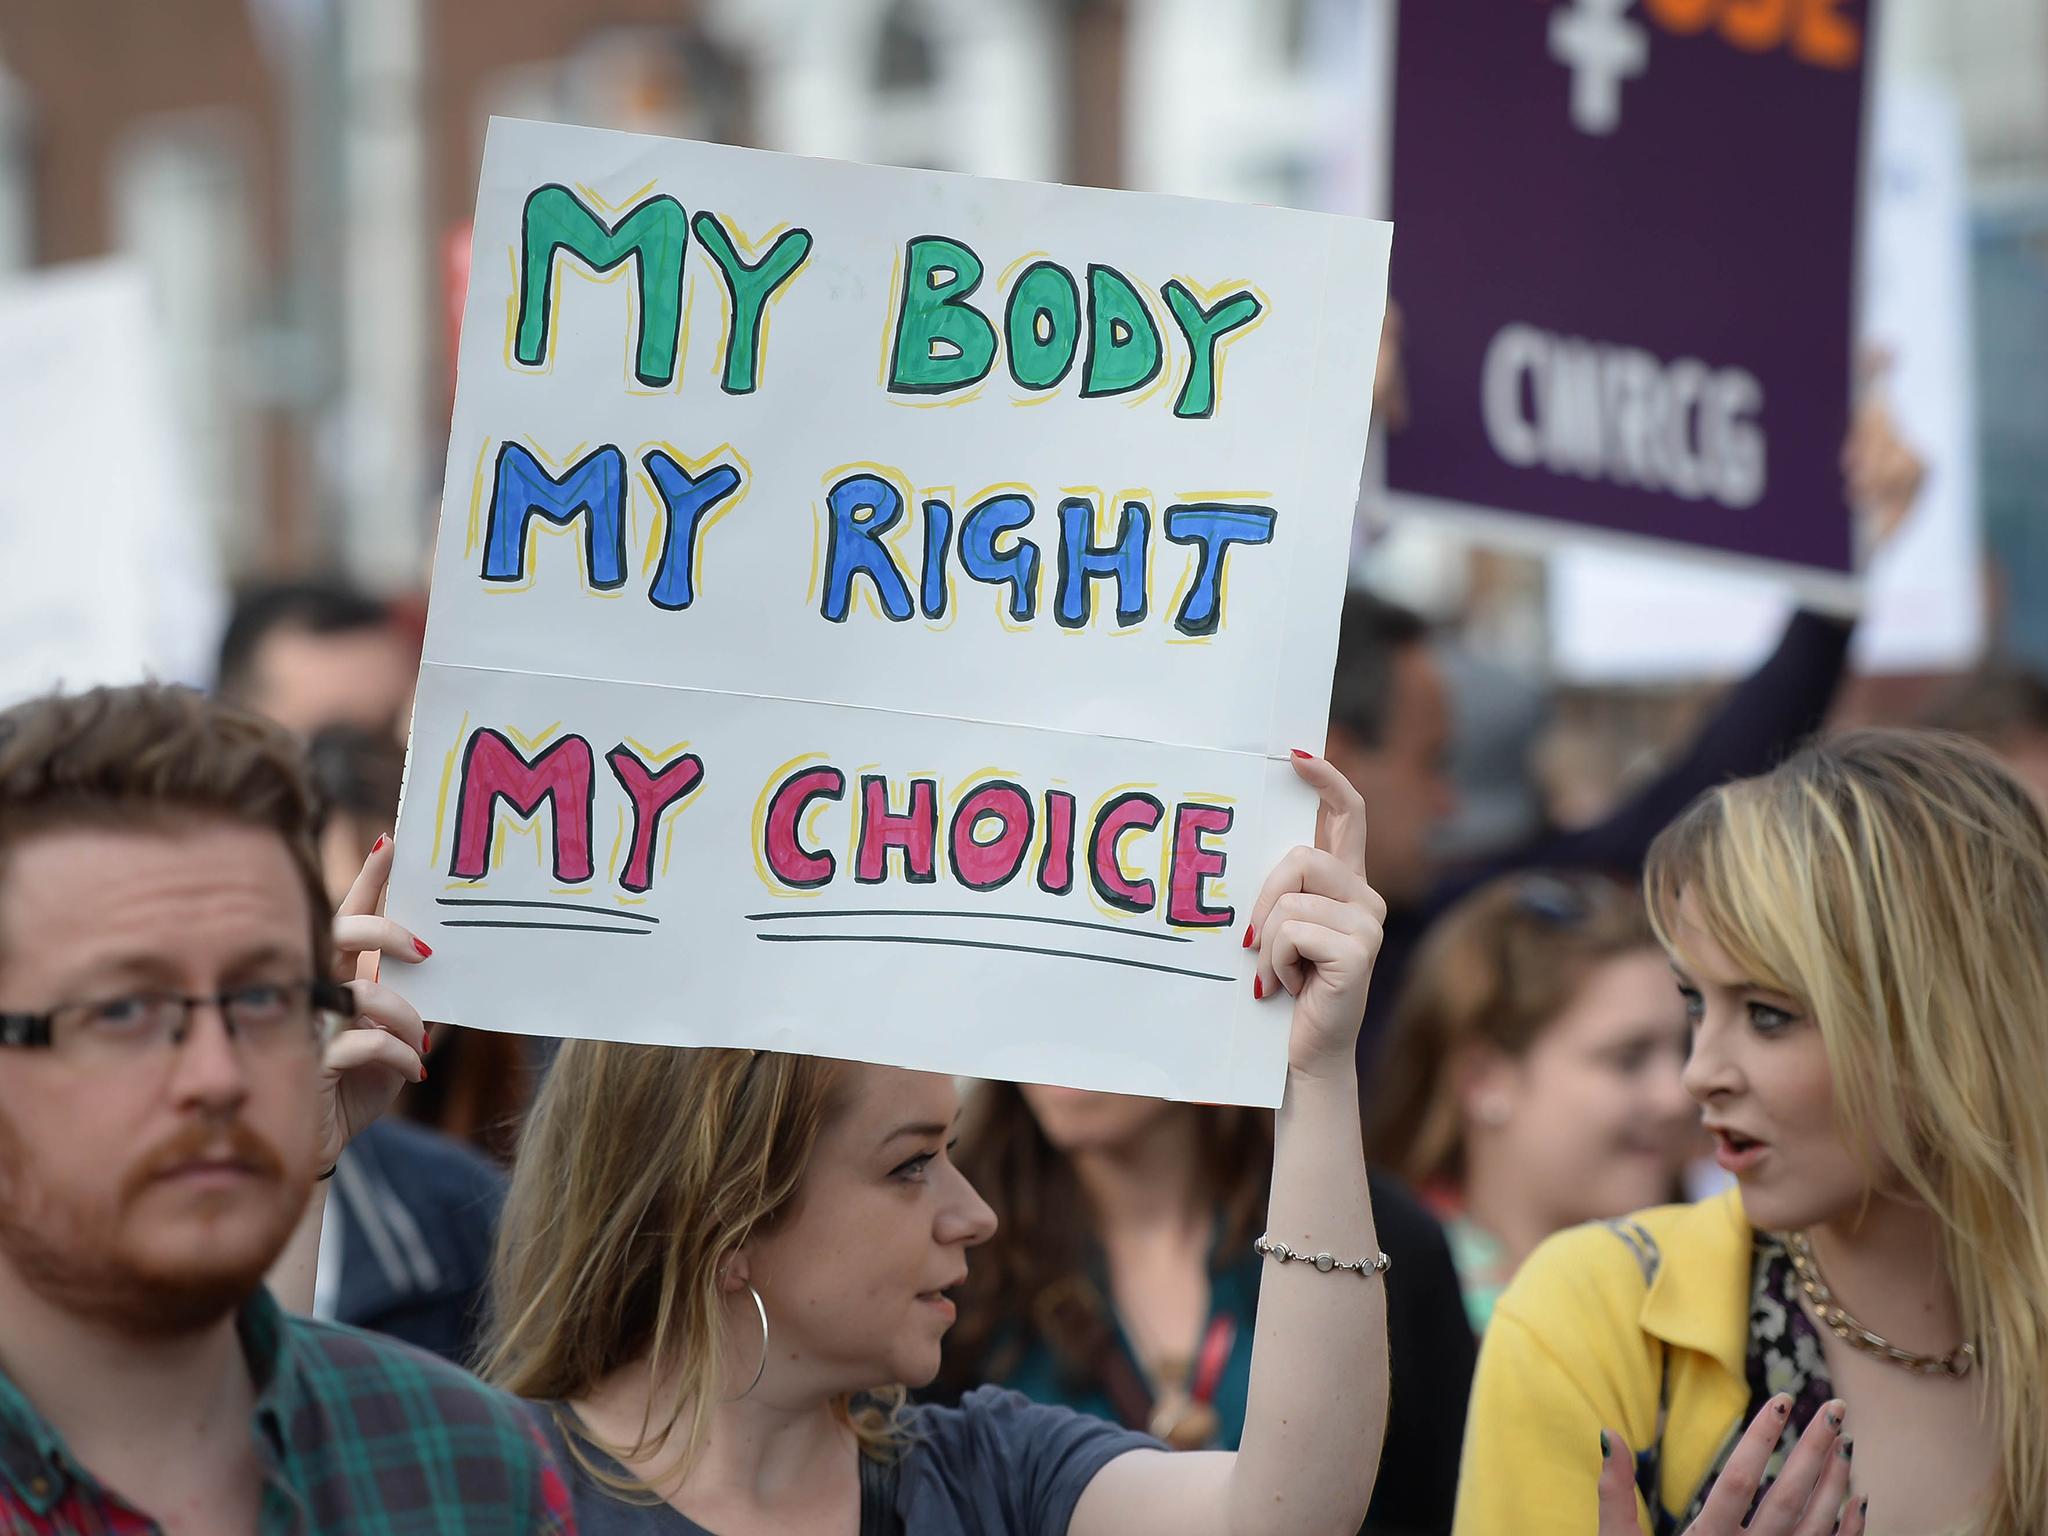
(971, 809)
(107, 574)
(1627, 618)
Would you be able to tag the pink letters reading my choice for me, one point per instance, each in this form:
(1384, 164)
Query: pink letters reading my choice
(988, 841)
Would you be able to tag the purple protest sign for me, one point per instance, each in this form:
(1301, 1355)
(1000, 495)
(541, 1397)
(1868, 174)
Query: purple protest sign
(1626, 240)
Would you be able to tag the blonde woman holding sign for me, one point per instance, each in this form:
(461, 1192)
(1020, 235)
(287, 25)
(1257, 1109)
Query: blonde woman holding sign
(1861, 940)
(719, 1269)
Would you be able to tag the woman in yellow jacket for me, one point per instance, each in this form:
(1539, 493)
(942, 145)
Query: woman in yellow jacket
(1861, 939)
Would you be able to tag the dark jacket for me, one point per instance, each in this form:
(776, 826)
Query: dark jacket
(416, 1214)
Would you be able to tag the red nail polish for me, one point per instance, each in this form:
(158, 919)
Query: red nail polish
(1251, 936)
(1258, 988)
(426, 1040)
(421, 946)
(423, 1071)
(1299, 753)
(378, 846)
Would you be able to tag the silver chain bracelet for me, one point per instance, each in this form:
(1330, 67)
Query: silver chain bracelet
(1326, 1263)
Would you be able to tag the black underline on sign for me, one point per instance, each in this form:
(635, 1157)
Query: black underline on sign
(1015, 949)
(507, 922)
(552, 906)
(1001, 917)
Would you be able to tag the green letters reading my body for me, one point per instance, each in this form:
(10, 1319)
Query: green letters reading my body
(656, 234)
(943, 343)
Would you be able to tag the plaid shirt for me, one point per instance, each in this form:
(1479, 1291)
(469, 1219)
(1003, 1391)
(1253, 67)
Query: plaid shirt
(357, 1434)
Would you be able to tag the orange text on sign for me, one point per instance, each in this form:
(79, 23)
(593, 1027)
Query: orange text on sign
(1815, 30)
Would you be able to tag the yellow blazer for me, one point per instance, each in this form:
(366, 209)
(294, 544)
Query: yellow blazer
(1639, 1326)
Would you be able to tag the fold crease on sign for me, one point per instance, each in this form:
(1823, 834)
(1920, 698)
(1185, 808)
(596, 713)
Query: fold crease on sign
(1275, 754)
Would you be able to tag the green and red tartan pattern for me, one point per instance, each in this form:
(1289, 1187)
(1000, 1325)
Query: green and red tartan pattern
(360, 1435)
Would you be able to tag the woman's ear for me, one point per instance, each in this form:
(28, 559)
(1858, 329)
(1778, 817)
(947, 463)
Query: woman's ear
(734, 1274)
(1488, 1080)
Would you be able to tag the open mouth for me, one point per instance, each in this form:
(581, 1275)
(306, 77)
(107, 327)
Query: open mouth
(1736, 1152)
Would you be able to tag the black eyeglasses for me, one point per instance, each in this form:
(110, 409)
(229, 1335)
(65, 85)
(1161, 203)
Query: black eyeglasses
(259, 1015)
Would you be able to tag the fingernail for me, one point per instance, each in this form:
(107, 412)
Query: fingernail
(1258, 988)
(421, 946)
(1605, 1449)
(1250, 935)
(426, 1039)
(423, 1071)
(1299, 753)
(1848, 1449)
(378, 846)
(1781, 1406)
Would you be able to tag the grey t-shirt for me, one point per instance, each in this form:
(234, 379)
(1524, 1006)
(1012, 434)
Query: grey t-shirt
(997, 1465)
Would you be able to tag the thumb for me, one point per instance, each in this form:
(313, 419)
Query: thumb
(1617, 1487)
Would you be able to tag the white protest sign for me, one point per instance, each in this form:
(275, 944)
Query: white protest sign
(106, 571)
(873, 607)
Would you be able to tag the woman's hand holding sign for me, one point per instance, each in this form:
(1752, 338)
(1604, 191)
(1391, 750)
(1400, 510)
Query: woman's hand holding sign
(1317, 927)
(384, 1046)
(380, 1049)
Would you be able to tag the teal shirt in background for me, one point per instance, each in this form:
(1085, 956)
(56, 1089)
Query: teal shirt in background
(1482, 1273)
(1042, 1375)
(1428, 1331)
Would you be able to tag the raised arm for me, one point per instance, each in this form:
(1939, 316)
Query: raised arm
(1318, 1400)
(379, 1051)
(1771, 712)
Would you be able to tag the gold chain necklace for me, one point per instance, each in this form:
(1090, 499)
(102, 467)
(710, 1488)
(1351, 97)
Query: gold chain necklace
(1955, 1364)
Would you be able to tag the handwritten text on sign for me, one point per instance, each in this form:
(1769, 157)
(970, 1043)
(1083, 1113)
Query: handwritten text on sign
(872, 608)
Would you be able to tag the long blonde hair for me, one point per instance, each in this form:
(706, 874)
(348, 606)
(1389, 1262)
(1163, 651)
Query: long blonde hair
(642, 1171)
(1896, 884)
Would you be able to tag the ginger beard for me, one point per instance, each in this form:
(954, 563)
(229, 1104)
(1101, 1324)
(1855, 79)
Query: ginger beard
(160, 1254)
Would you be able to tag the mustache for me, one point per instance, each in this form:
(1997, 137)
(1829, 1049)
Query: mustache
(222, 1141)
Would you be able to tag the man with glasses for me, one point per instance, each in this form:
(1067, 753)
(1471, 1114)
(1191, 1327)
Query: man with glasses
(178, 1070)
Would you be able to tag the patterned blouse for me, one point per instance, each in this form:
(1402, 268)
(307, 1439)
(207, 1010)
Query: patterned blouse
(1784, 1356)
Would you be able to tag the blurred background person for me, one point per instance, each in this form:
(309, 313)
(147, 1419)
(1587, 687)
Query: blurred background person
(310, 654)
(1119, 1280)
(1390, 734)
(1532, 1072)
(2004, 705)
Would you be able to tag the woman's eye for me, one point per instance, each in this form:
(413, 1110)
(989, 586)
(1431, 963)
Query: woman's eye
(914, 1169)
(1766, 1020)
(1695, 1005)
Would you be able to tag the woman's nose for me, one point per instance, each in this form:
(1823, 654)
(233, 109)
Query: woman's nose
(1709, 1069)
(965, 1217)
